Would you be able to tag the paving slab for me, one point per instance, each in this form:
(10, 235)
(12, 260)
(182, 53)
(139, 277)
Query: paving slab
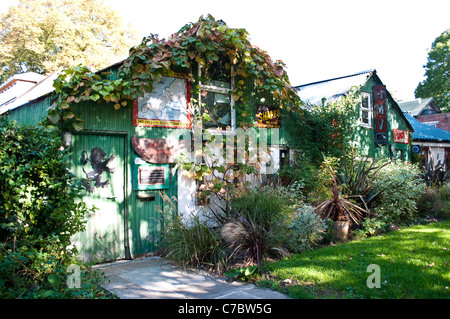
(157, 278)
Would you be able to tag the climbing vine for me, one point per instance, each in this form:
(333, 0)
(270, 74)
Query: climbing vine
(206, 42)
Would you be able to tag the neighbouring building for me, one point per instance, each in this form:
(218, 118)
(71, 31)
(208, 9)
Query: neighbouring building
(382, 130)
(428, 112)
(431, 143)
(13, 90)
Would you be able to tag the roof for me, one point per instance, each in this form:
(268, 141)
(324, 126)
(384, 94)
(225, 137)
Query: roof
(26, 77)
(333, 88)
(424, 132)
(416, 107)
(40, 89)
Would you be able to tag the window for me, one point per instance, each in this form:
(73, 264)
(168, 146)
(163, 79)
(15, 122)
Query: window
(366, 110)
(216, 99)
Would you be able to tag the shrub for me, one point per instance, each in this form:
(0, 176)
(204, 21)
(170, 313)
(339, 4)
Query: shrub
(429, 202)
(371, 227)
(305, 229)
(265, 205)
(191, 242)
(40, 208)
(256, 222)
(401, 185)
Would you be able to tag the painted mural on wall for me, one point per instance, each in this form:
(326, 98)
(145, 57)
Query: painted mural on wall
(99, 163)
(165, 106)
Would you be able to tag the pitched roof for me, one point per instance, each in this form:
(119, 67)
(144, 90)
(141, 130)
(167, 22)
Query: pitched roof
(333, 88)
(40, 89)
(426, 132)
(417, 106)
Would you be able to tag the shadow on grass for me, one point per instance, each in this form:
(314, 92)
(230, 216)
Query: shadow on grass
(414, 263)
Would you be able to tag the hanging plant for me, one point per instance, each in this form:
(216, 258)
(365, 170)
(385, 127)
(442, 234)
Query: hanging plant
(207, 43)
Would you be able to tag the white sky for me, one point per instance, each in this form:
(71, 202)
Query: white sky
(317, 39)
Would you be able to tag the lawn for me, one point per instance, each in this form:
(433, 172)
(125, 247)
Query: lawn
(413, 263)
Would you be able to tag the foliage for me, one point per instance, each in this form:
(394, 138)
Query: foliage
(253, 227)
(401, 185)
(44, 36)
(433, 174)
(208, 43)
(437, 82)
(371, 227)
(307, 174)
(356, 178)
(305, 229)
(413, 263)
(39, 207)
(429, 202)
(329, 128)
(243, 273)
(194, 244)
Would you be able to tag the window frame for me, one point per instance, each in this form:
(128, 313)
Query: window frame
(369, 110)
(220, 90)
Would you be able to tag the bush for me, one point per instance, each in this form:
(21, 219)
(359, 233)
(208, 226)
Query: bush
(444, 196)
(192, 243)
(401, 185)
(40, 208)
(305, 229)
(429, 202)
(371, 227)
(256, 222)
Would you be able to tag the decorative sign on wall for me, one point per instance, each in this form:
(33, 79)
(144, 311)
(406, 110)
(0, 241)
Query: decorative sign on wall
(268, 116)
(416, 149)
(165, 106)
(159, 151)
(150, 176)
(380, 114)
(401, 136)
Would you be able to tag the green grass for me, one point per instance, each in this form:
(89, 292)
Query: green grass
(414, 264)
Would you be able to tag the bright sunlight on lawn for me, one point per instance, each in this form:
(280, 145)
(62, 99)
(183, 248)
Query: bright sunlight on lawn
(414, 263)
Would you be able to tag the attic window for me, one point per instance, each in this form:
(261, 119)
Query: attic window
(216, 99)
(366, 110)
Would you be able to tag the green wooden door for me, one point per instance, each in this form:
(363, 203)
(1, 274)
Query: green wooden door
(98, 162)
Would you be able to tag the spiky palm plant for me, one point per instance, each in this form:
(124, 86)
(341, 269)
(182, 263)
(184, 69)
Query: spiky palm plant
(340, 208)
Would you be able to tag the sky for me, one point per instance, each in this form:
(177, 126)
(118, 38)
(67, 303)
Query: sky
(318, 39)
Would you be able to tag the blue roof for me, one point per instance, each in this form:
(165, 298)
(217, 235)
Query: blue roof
(426, 132)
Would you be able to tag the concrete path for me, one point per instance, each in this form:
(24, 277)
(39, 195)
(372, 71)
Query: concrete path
(157, 278)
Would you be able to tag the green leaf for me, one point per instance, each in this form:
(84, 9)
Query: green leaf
(54, 116)
(53, 279)
(95, 97)
(68, 115)
(78, 126)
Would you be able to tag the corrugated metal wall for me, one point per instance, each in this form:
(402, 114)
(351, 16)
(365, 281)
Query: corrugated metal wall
(143, 219)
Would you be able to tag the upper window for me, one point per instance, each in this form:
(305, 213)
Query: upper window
(216, 99)
(366, 110)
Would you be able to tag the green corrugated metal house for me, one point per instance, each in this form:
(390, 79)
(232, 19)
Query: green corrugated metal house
(124, 157)
(382, 130)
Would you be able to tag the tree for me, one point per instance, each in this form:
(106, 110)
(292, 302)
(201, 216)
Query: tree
(46, 35)
(437, 71)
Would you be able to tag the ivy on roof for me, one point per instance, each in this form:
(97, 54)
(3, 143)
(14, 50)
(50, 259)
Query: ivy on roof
(207, 42)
